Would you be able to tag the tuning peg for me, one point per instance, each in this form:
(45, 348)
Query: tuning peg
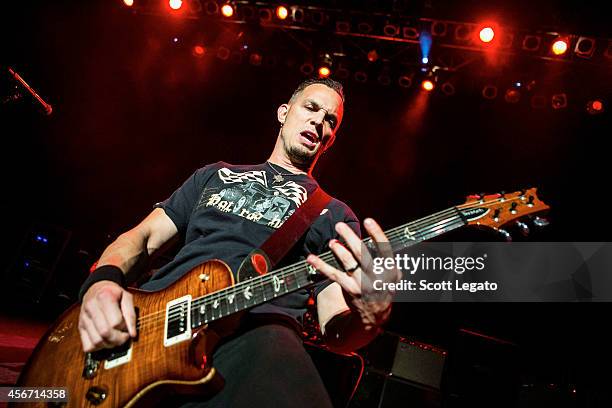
(530, 202)
(505, 234)
(523, 227)
(513, 208)
(502, 196)
(540, 222)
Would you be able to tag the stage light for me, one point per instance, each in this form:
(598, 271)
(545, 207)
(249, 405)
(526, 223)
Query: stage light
(361, 77)
(255, 59)
(532, 42)
(512, 95)
(424, 60)
(342, 72)
(265, 15)
(175, 4)
(282, 12)
(486, 35)
(211, 7)
(559, 47)
(128, 3)
(427, 85)
(489, 92)
(438, 28)
(364, 28)
(410, 33)
(227, 10)
(405, 81)
(391, 30)
(585, 47)
(595, 107)
(463, 32)
(448, 88)
(559, 101)
(223, 53)
(306, 68)
(324, 72)
(372, 56)
(343, 26)
(199, 50)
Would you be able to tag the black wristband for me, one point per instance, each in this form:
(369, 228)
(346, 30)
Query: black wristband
(107, 272)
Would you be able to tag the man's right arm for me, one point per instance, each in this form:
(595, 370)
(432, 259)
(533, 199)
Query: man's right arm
(107, 317)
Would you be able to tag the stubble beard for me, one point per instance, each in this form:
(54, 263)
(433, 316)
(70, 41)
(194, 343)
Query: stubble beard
(299, 156)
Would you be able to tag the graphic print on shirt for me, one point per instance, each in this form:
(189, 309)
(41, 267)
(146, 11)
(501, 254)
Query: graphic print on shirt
(248, 195)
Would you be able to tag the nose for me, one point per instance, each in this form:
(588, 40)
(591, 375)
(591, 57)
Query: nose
(318, 117)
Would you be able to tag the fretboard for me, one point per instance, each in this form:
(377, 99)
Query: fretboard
(261, 289)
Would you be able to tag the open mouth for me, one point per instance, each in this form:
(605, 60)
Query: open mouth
(311, 137)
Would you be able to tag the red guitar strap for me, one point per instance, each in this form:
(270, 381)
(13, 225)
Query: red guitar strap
(283, 239)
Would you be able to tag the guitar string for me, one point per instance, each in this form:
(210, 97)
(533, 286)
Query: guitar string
(259, 282)
(262, 283)
(300, 265)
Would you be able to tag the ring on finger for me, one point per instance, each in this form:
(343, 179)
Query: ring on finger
(353, 269)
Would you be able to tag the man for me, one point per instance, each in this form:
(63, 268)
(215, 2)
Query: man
(225, 211)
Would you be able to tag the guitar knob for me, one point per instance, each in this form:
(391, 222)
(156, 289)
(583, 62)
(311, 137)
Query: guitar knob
(523, 227)
(505, 234)
(540, 222)
(96, 395)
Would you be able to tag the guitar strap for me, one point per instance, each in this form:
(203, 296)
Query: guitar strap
(284, 238)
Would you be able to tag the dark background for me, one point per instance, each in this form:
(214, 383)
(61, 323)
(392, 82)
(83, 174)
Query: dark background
(135, 114)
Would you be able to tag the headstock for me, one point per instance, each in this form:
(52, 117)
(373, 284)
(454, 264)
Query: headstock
(498, 210)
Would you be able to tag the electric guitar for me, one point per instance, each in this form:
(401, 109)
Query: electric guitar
(179, 326)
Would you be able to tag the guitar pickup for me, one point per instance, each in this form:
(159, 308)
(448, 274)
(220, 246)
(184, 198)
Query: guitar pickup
(177, 325)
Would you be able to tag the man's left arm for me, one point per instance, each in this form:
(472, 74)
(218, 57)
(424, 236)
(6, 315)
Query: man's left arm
(349, 317)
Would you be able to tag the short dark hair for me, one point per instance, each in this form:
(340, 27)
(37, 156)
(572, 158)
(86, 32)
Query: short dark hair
(328, 82)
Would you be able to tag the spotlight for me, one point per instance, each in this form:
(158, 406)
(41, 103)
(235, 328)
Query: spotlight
(462, 32)
(559, 47)
(559, 101)
(255, 59)
(227, 10)
(317, 17)
(391, 30)
(265, 15)
(211, 7)
(427, 85)
(489, 92)
(306, 68)
(175, 4)
(372, 56)
(424, 60)
(585, 47)
(438, 29)
(532, 42)
(223, 53)
(282, 12)
(595, 107)
(128, 3)
(448, 88)
(486, 34)
(199, 50)
(405, 81)
(361, 76)
(325, 63)
(297, 15)
(324, 72)
(512, 95)
(410, 33)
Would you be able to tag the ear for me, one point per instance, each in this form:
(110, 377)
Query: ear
(281, 112)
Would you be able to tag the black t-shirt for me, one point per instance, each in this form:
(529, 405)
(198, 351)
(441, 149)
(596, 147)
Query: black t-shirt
(225, 211)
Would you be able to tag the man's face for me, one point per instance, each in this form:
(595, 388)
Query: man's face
(310, 123)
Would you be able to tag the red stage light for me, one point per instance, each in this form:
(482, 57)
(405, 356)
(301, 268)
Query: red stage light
(372, 55)
(282, 12)
(594, 107)
(427, 85)
(175, 4)
(324, 72)
(559, 47)
(198, 50)
(487, 34)
(128, 3)
(227, 10)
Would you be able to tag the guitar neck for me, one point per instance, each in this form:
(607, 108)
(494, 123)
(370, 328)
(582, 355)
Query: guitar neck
(264, 288)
